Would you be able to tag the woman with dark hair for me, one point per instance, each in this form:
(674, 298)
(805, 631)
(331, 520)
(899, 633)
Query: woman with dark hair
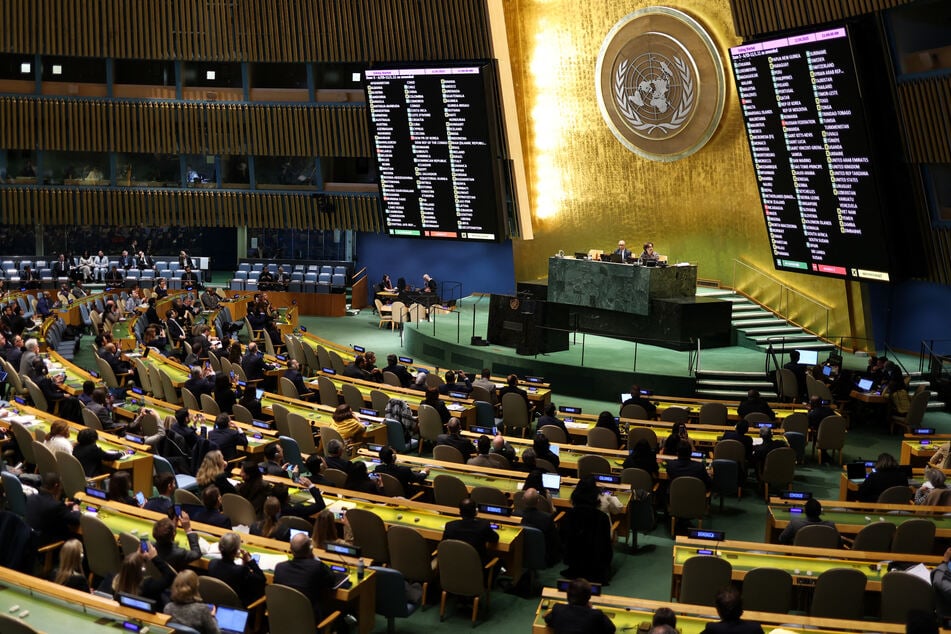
(887, 474)
(678, 433)
(542, 447)
(550, 418)
(120, 488)
(432, 399)
(268, 526)
(224, 395)
(253, 487)
(586, 535)
(131, 578)
(250, 402)
(359, 480)
(534, 481)
(643, 457)
(606, 421)
(90, 455)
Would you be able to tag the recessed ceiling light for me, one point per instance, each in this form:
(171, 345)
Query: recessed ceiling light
(25, 67)
(209, 74)
(57, 69)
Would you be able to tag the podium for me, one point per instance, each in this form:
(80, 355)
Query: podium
(529, 325)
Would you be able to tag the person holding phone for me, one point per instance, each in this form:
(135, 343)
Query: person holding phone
(120, 489)
(164, 501)
(238, 569)
(164, 532)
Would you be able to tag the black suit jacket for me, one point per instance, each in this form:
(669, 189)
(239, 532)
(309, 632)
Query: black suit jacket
(336, 462)
(253, 366)
(176, 556)
(578, 619)
(678, 468)
(309, 576)
(295, 377)
(405, 475)
(546, 524)
(401, 373)
(733, 627)
(228, 441)
(476, 532)
(208, 516)
(245, 579)
(50, 517)
(464, 446)
(745, 439)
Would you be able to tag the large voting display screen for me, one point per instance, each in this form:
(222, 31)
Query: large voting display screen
(802, 105)
(436, 140)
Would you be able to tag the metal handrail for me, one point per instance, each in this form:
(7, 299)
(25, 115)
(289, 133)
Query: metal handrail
(935, 360)
(786, 293)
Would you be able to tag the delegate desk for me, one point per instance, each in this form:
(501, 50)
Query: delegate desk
(848, 489)
(851, 517)
(693, 405)
(135, 457)
(258, 439)
(507, 481)
(463, 408)
(539, 394)
(628, 614)
(75, 376)
(429, 520)
(802, 563)
(917, 449)
(322, 416)
(53, 608)
(125, 518)
(568, 455)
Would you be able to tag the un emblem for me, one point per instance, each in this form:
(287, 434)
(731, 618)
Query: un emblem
(660, 83)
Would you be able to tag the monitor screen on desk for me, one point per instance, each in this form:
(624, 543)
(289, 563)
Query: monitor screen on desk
(808, 357)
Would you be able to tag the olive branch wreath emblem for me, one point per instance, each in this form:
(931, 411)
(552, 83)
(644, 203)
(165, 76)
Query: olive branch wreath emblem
(621, 100)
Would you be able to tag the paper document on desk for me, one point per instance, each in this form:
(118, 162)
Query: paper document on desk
(455, 407)
(267, 561)
(920, 571)
(576, 425)
(23, 420)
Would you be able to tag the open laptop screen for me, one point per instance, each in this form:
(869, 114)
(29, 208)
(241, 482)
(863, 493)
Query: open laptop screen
(551, 481)
(231, 620)
(865, 384)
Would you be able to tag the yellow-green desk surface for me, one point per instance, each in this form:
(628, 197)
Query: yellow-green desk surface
(139, 462)
(509, 482)
(851, 517)
(258, 439)
(464, 409)
(802, 563)
(321, 415)
(136, 521)
(53, 609)
(628, 613)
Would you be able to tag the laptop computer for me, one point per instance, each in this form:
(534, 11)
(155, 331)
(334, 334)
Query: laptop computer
(864, 385)
(855, 471)
(552, 482)
(231, 620)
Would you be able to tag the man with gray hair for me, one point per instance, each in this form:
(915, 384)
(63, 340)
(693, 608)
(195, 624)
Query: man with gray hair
(243, 576)
(336, 459)
(30, 353)
(305, 573)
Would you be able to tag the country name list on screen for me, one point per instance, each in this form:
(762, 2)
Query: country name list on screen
(811, 151)
(434, 149)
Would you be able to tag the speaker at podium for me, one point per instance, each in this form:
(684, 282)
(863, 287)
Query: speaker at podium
(527, 324)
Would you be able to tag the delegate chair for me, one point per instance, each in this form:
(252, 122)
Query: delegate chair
(337, 477)
(445, 453)
(449, 490)
(634, 434)
(291, 611)
(238, 509)
(726, 479)
(915, 536)
(591, 464)
(767, 590)
(430, 425)
(411, 555)
(779, 469)
(713, 414)
(301, 432)
(352, 396)
(688, 500)
(554, 434)
(292, 454)
(328, 392)
(209, 405)
(13, 492)
(461, 573)
(875, 537)
(102, 550)
(515, 413)
(280, 419)
(839, 594)
(601, 438)
(702, 577)
(902, 593)
(830, 436)
(896, 495)
(817, 536)
(916, 411)
(369, 533)
(391, 598)
(675, 415)
(490, 496)
(633, 410)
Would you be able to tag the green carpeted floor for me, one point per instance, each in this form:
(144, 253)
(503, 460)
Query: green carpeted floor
(648, 573)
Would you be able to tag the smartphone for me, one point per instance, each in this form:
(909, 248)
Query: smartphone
(140, 498)
(178, 510)
(144, 544)
(204, 431)
(256, 557)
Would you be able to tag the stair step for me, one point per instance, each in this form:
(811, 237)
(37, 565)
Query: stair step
(742, 324)
(775, 330)
(804, 345)
(730, 373)
(729, 383)
(746, 307)
(778, 338)
(935, 405)
(735, 394)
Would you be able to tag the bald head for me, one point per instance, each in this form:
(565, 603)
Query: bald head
(498, 442)
(530, 499)
(301, 546)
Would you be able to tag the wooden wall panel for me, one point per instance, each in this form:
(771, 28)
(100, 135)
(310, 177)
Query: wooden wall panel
(753, 18)
(28, 206)
(254, 30)
(924, 106)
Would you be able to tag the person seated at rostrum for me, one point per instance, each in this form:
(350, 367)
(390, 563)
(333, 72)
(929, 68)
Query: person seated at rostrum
(578, 615)
(407, 477)
(739, 434)
(886, 474)
(812, 510)
(730, 608)
(684, 465)
(164, 532)
(453, 438)
(770, 443)
(638, 399)
(456, 381)
(245, 576)
(474, 531)
(755, 403)
(481, 459)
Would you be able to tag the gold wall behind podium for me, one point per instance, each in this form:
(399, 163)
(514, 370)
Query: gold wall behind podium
(588, 191)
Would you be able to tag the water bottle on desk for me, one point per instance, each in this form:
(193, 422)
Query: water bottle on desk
(361, 568)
